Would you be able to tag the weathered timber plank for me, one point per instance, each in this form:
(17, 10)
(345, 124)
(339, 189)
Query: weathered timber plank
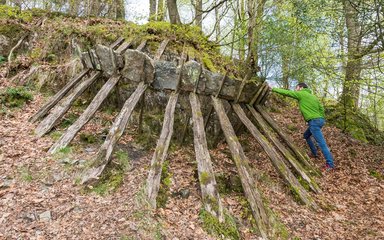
(117, 43)
(60, 109)
(242, 163)
(58, 96)
(257, 94)
(288, 156)
(276, 159)
(287, 140)
(262, 95)
(160, 154)
(210, 195)
(161, 49)
(67, 137)
(116, 131)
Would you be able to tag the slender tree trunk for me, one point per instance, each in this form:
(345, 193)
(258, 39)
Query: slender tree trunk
(242, 30)
(120, 9)
(174, 16)
(285, 69)
(152, 10)
(160, 10)
(199, 13)
(351, 87)
(217, 26)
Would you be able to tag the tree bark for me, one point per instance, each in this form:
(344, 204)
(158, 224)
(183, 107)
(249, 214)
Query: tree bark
(351, 86)
(173, 12)
(160, 10)
(152, 10)
(199, 13)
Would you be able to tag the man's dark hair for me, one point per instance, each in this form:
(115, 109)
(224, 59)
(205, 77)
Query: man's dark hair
(303, 85)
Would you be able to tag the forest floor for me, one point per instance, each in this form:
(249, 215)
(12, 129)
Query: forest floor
(40, 197)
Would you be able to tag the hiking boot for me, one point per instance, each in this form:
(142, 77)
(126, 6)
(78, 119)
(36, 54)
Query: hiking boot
(328, 168)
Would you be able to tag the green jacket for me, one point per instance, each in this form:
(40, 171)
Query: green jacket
(309, 104)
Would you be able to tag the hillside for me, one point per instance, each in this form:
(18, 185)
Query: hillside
(40, 194)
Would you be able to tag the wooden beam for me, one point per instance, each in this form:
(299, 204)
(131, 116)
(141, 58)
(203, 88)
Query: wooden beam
(263, 125)
(258, 92)
(276, 160)
(71, 132)
(60, 109)
(262, 94)
(210, 195)
(117, 43)
(160, 154)
(116, 131)
(58, 96)
(287, 140)
(246, 176)
(161, 49)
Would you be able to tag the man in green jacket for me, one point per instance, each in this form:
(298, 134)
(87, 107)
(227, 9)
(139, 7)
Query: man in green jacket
(313, 113)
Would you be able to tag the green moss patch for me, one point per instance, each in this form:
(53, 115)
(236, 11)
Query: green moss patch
(225, 230)
(15, 97)
(355, 123)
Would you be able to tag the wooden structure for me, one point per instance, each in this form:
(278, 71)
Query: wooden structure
(121, 64)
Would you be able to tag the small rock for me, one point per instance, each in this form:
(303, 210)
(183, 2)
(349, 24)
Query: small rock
(184, 193)
(90, 150)
(45, 216)
(133, 226)
(65, 161)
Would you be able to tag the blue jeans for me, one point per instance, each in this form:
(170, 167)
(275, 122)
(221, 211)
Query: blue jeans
(314, 129)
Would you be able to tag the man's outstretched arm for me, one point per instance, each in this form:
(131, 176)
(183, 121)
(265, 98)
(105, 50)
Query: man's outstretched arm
(285, 92)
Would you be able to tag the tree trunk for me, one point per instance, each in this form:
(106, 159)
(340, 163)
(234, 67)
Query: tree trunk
(210, 195)
(173, 12)
(152, 10)
(199, 13)
(120, 9)
(160, 10)
(351, 86)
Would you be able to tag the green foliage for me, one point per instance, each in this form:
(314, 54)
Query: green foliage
(25, 174)
(113, 176)
(228, 184)
(88, 138)
(68, 120)
(226, 230)
(376, 174)
(355, 123)
(2, 59)
(15, 97)
(165, 183)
